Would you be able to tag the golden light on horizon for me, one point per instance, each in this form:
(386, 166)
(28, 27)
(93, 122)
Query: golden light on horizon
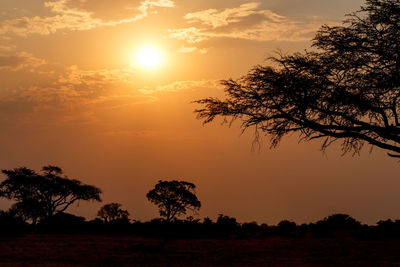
(148, 57)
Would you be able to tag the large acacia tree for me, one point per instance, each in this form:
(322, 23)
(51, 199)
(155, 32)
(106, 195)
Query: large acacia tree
(174, 198)
(39, 196)
(346, 89)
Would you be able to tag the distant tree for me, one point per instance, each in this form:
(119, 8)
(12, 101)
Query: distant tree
(174, 198)
(347, 89)
(39, 196)
(389, 227)
(226, 224)
(191, 219)
(112, 212)
(286, 227)
(226, 220)
(339, 222)
(250, 228)
(207, 221)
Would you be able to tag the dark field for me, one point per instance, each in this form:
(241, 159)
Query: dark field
(96, 250)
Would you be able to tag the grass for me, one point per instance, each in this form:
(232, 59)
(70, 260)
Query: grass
(101, 250)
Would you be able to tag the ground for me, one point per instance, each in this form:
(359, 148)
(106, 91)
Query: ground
(97, 250)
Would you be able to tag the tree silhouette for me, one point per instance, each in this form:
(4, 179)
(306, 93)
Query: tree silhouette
(174, 198)
(39, 196)
(10, 224)
(339, 222)
(347, 89)
(112, 212)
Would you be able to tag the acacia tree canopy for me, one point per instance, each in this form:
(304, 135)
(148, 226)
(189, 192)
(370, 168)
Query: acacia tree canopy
(347, 89)
(174, 198)
(39, 196)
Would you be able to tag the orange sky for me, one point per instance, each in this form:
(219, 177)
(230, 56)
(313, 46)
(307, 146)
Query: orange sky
(72, 94)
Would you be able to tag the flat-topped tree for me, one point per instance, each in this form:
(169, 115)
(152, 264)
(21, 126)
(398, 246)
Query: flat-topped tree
(174, 198)
(41, 195)
(346, 90)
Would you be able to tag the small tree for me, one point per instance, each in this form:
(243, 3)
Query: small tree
(174, 198)
(39, 196)
(112, 212)
(348, 89)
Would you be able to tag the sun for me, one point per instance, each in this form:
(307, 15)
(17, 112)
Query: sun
(148, 57)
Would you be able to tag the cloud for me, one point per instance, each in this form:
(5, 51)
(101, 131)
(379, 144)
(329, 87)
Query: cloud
(244, 22)
(76, 96)
(77, 76)
(117, 101)
(215, 18)
(80, 96)
(182, 85)
(72, 18)
(185, 49)
(7, 48)
(116, 10)
(43, 105)
(104, 87)
(191, 49)
(191, 35)
(71, 85)
(19, 61)
(148, 4)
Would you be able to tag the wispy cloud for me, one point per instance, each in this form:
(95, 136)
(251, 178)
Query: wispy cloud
(99, 86)
(72, 18)
(182, 85)
(247, 21)
(20, 60)
(191, 35)
(217, 18)
(68, 95)
(185, 49)
(76, 76)
(191, 49)
(6, 48)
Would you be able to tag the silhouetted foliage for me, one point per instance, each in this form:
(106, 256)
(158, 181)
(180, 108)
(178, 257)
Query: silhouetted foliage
(111, 213)
(347, 89)
(29, 209)
(11, 224)
(207, 221)
(386, 229)
(250, 229)
(39, 196)
(174, 198)
(191, 219)
(226, 220)
(334, 226)
(62, 223)
(287, 228)
(388, 225)
(226, 224)
(337, 222)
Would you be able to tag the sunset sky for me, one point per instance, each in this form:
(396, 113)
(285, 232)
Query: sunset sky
(104, 89)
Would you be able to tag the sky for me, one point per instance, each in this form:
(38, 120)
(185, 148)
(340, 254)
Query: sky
(74, 94)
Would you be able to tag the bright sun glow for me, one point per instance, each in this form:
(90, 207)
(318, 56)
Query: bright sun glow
(148, 57)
